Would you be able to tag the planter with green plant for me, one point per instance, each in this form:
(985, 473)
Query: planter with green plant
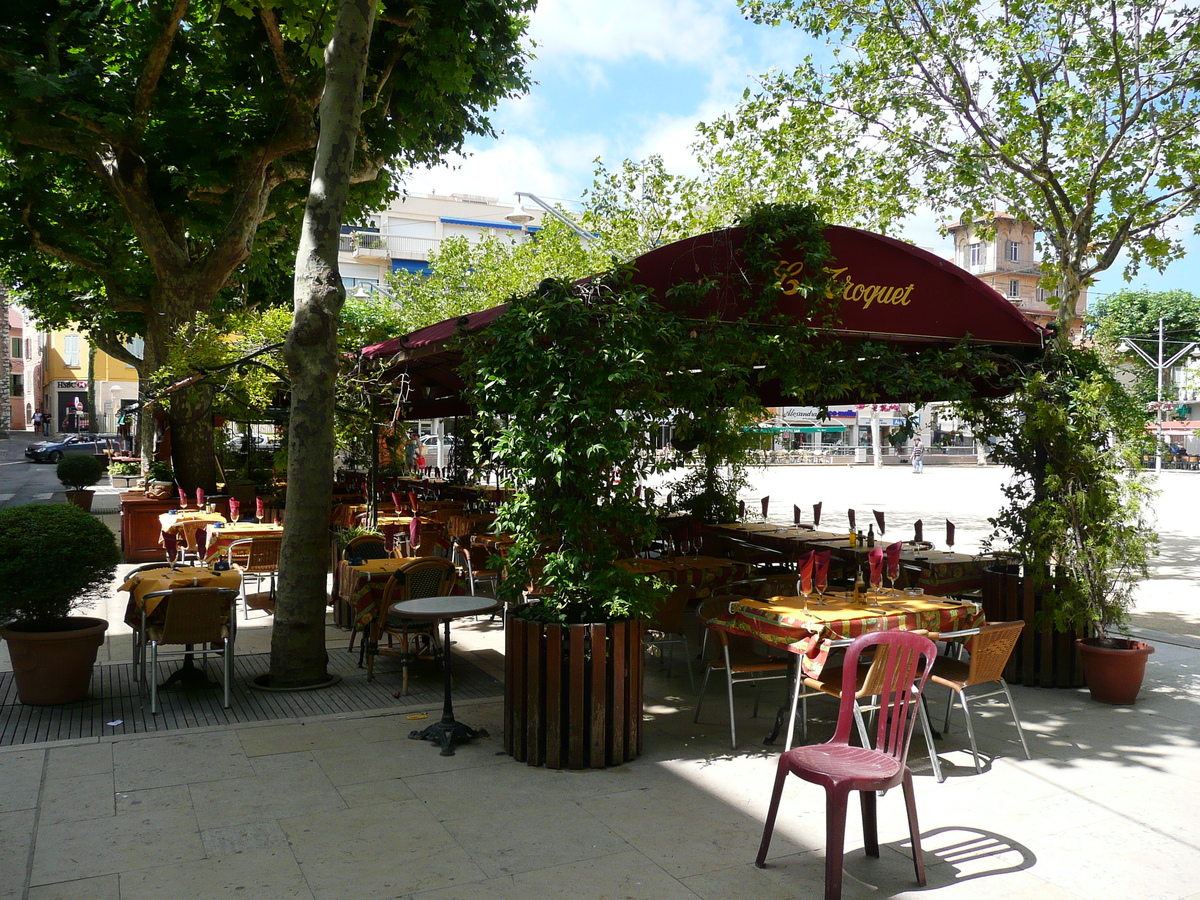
(78, 474)
(53, 560)
(160, 480)
(1075, 516)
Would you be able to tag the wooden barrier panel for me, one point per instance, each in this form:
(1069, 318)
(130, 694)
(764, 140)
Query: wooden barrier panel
(573, 694)
(1042, 657)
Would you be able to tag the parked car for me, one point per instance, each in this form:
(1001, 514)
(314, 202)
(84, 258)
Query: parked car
(430, 443)
(71, 445)
(260, 442)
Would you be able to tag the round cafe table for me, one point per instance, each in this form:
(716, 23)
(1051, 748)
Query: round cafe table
(447, 732)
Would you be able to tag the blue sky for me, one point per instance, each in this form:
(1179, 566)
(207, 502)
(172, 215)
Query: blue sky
(620, 79)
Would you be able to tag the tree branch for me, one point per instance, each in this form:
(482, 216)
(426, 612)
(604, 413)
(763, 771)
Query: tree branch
(156, 60)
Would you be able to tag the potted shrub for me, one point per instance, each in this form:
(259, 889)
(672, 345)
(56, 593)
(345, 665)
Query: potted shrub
(1076, 510)
(78, 473)
(53, 559)
(561, 383)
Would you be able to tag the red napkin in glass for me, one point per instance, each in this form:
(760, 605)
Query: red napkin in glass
(199, 498)
(879, 520)
(765, 501)
(637, 492)
(816, 514)
(949, 534)
(806, 572)
(795, 514)
(850, 516)
(414, 533)
(412, 500)
(389, 535)
(918, 531)
(741, 509)
(260, 509)
(893, 560)
(182, 499)
(821, 569)
(235, 507)
(171, 545)
(875, 557)
(201, 544)
(397, 502)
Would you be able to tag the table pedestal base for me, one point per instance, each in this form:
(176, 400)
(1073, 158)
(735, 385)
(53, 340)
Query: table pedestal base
(447, 733)
(189, 677)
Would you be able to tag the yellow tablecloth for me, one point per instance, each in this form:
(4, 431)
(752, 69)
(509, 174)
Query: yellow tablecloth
(139, 584)
(219, 539)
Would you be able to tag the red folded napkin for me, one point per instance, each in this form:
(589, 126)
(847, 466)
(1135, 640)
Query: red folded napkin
(260, 510)
(806, 572)
(398, 503)
(412, 500)
(816, 514)
(765, 501)
(389, 535)
(879, 520)
(741, 509)
(637, 492)
(171, 545)
(821, 569)
(795, 514)
(199, 498)
(183, 501)
(235, 507)
(875, 557)
(414, 533)
(893, 560)
(918, 531)
(850, 516)
(949, 534)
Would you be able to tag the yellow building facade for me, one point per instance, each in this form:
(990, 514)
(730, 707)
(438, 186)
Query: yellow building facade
(80, 390)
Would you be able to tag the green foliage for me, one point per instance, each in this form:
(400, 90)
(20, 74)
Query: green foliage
(160, 470)
(1135, 313)
(1077, 504)
(570, 377)
(124, 467)
(53, 559)
(79, 471)
(1081, 116)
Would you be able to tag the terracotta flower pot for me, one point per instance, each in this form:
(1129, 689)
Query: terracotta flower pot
(82, 499)
(52, 667)
(1114, 674)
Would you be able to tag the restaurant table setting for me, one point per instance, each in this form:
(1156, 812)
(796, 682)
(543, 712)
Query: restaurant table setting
(222, 534)
(361, 585)
(700, 574)
(810, 629)
(147, 581)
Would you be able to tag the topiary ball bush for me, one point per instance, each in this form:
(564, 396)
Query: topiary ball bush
(53, 559)
(78, 473)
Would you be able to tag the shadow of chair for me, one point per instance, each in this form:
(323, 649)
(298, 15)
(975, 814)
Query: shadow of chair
(739, 657)
(193, 616)
(840, 767)
(990, 650)
(430, 576)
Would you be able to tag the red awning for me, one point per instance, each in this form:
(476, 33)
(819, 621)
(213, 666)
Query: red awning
(1176, 429)
(892, 291)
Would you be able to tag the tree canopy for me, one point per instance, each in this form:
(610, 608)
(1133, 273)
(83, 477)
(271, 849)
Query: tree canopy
(1079, 118)
(154, 158)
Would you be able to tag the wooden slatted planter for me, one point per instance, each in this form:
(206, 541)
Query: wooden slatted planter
(573, 694)
(1042, 657)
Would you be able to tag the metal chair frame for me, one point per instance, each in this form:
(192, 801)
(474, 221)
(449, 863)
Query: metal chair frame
(213, 621)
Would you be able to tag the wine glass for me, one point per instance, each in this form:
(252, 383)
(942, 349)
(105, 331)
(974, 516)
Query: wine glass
(877, 580)
(697, 542)
(821, 583)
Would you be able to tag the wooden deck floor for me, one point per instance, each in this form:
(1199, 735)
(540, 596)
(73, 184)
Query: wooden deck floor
(115, 707)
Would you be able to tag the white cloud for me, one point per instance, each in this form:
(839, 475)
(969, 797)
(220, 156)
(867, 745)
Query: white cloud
(617, 30)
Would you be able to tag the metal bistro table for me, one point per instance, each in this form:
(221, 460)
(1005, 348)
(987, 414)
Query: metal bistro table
(447, 732)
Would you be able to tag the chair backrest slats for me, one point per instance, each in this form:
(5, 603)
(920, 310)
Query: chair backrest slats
(991, 649)
(196, 615)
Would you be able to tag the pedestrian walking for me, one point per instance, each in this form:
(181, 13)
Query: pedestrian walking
(918, 456)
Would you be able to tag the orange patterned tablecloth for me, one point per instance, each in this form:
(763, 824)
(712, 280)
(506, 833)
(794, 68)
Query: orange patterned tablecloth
(139, 584)
(219, 539)
(784, 622)
(361, 587)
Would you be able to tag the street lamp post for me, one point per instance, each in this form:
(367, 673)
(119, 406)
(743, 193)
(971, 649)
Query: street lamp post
(1160, 365)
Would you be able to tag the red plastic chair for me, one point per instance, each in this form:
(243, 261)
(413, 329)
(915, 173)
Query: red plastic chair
(840, 767)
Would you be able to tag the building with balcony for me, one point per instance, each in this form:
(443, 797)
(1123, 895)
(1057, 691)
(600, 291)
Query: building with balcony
(1007, 260)
(402, 236)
